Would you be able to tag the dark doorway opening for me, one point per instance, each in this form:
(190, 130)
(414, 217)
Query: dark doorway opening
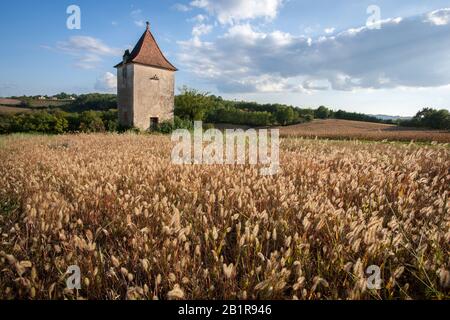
(154, 122)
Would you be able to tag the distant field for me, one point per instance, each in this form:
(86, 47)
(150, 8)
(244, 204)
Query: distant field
(12, 109)
(35, 103)
(343, 129)
(9, 102)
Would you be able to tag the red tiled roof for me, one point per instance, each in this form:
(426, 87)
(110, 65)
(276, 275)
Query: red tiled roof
(147, 52)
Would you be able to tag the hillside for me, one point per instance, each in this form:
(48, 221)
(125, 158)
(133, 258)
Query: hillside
(344, 129)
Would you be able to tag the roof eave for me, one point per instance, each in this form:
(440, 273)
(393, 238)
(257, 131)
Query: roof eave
(174, 69)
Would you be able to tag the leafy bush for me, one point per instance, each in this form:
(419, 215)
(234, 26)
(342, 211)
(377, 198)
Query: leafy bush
(91, 121)
(110, 120)
(40, 121)
(165, 127)
(240, 117)
(5, 123)
(58, 122)
(191, 104)
(285, 116)
(183, 124)
(168, 127)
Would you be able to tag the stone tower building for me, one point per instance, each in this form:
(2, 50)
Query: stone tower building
(145, 85)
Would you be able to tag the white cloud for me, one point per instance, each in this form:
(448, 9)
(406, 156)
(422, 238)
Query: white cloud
(329, 30)
(233, 11)
(262, 83)
(244, 33)
(439, 17)
(200, 18)
(201, 29)
(140, 23)
(137, 17)
(87, 44)
(181, 7)
(106, 83)
(88, 51)
(315, 85)
(403, 53)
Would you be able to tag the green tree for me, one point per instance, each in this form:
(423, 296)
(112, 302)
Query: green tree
(6, 123)
(191, 104)
(432, 118)
(91, 121)
(62, 96)
(285, 116)
(110, 120)
(60, 124)
(322, 113)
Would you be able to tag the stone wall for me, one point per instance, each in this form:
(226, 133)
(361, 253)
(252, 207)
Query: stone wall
(153, 95)
(144, 93)
(125, 98)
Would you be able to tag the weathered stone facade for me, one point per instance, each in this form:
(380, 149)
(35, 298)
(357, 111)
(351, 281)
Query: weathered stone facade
(125, 94)
(144, 93)
(145, 85)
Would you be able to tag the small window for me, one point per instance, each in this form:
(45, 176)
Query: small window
(154, 122)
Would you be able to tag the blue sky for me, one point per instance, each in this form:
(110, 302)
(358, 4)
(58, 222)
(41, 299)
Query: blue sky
(304, 53)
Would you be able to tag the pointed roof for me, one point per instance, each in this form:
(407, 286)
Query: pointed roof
(147, 52)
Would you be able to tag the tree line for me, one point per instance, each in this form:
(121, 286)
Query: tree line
(98, 113)
(429, 118)
(195, 105)
(426, 118)
(58, 122)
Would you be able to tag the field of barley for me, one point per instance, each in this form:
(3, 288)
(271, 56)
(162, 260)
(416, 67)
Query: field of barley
(140, 227)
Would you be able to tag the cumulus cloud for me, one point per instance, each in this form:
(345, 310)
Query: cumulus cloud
(201, 29)
(439, 17)
(233, 11)
(106, 83)
(88, 51)
(404, 53)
